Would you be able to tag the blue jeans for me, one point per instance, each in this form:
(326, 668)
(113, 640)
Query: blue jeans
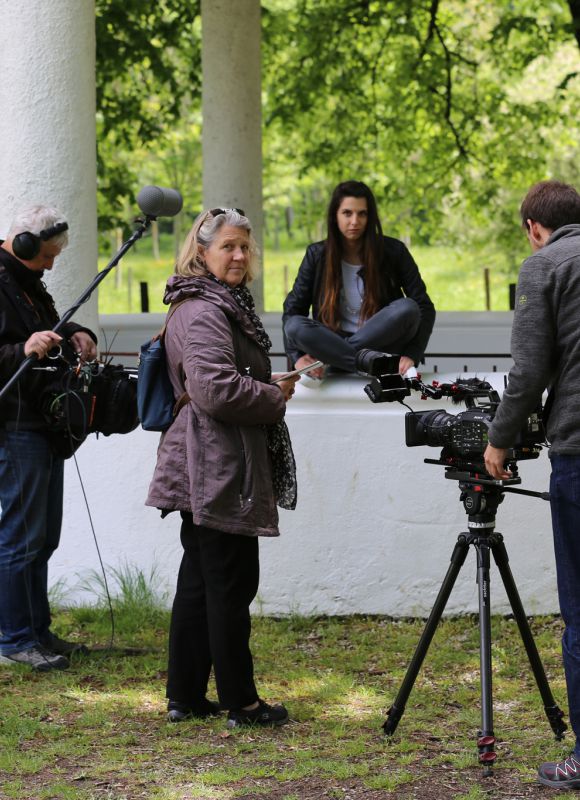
(389, 330)
(31, 493)
(565, 504)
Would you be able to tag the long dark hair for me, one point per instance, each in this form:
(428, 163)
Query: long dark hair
(371, 250)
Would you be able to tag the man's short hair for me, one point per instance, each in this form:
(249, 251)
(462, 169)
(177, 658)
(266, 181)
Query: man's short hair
(36, 219)
(552, 204)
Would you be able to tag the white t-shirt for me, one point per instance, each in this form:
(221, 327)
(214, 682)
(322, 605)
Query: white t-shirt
(351, 297)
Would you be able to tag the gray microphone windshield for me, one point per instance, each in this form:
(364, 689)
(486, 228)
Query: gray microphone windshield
(157, 202)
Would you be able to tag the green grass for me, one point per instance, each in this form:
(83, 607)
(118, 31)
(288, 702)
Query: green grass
(98, 730)
(454, 278)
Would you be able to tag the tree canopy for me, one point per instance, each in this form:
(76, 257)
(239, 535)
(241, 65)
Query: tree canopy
(448, 109)
(435, 104)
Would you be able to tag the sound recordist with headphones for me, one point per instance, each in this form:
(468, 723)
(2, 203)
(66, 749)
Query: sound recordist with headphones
(31, 473)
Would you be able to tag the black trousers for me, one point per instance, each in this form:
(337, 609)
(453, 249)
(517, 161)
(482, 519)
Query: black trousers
(210, 621)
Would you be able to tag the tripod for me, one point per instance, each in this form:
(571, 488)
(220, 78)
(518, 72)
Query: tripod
(480, 497)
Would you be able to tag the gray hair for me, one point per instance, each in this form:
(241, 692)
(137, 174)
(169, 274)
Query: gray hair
(205, 229)
(36, 219)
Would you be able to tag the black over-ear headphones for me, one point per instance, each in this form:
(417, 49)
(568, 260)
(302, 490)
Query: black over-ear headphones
(26, 245)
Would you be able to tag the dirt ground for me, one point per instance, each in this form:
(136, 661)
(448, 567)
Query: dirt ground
(435, 783)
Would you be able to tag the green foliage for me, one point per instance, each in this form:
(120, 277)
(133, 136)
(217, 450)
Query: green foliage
(448, 109)
(148, 70)
(434, 104)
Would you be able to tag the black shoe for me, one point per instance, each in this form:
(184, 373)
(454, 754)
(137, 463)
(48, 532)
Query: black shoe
(37, 658)
(375, 362)
(61, 647)
(264, 714)
(561, 774)
(178, 712)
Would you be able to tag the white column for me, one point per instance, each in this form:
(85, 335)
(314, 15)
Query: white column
(47, 130)
(231, 103)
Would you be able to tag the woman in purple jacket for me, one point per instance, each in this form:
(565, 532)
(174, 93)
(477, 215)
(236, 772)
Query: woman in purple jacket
(224, 464)
(364, 291)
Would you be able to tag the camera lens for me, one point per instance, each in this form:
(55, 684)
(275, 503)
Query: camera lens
(436, 427)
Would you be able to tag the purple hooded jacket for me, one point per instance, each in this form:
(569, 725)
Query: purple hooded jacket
(213, 461)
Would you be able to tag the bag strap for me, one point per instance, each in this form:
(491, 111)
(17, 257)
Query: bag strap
(185, 398)
(183, 401)
(172, 309)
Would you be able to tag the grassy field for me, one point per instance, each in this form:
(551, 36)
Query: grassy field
(455, 279)
(98, 730)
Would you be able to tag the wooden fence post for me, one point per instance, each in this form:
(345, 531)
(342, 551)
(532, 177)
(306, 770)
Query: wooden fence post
(487, 289)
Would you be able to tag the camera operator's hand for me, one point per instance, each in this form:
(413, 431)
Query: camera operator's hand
(405, 363)
(287, 386)
(494, 458)
(84, 346)
(304, 361)
(41, 343)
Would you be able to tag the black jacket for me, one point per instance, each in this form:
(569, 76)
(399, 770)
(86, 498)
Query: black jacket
(400, 277)
(25, 307)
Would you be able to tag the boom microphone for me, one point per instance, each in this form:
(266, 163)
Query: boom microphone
(157, 202)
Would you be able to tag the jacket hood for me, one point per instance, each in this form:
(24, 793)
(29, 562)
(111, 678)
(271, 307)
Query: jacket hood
(182, 287)
(567, 231)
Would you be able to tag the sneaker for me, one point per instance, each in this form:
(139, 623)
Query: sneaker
(264, 714)
(61, 647)
(38, 658)
(178, 712)
(561, 774)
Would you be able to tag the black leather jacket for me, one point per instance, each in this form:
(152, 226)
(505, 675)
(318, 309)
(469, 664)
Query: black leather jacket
(400, 277)
(25, 307)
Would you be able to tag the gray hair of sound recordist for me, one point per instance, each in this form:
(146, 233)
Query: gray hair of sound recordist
(35, 219)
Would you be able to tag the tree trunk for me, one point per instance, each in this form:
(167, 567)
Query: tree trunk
(177, 234)
(575, 11)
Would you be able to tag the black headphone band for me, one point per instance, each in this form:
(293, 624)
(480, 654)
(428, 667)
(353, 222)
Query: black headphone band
(54, 230)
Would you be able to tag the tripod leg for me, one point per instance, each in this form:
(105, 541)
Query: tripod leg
(395, 712)
(486, 737)
(553, 712)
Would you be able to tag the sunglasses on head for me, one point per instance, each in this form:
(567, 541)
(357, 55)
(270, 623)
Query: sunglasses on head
(216, 211)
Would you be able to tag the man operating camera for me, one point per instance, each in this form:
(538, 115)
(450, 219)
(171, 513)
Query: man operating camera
(31, 473)
(546, 352)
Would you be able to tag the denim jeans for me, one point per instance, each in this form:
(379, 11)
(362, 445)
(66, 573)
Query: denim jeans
(389, 330)
(31, 493)
(565, 504)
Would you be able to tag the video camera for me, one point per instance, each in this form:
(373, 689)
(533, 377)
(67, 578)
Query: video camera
(462, 436)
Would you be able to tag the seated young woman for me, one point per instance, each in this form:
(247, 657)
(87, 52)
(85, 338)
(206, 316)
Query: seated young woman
(363, 290)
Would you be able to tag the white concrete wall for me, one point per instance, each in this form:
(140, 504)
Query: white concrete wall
(373, 531)
(47, 130)
(482, 337)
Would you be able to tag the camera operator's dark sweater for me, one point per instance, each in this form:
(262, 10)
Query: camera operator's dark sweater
(546, 345)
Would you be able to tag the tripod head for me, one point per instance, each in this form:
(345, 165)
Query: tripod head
(481, 494)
